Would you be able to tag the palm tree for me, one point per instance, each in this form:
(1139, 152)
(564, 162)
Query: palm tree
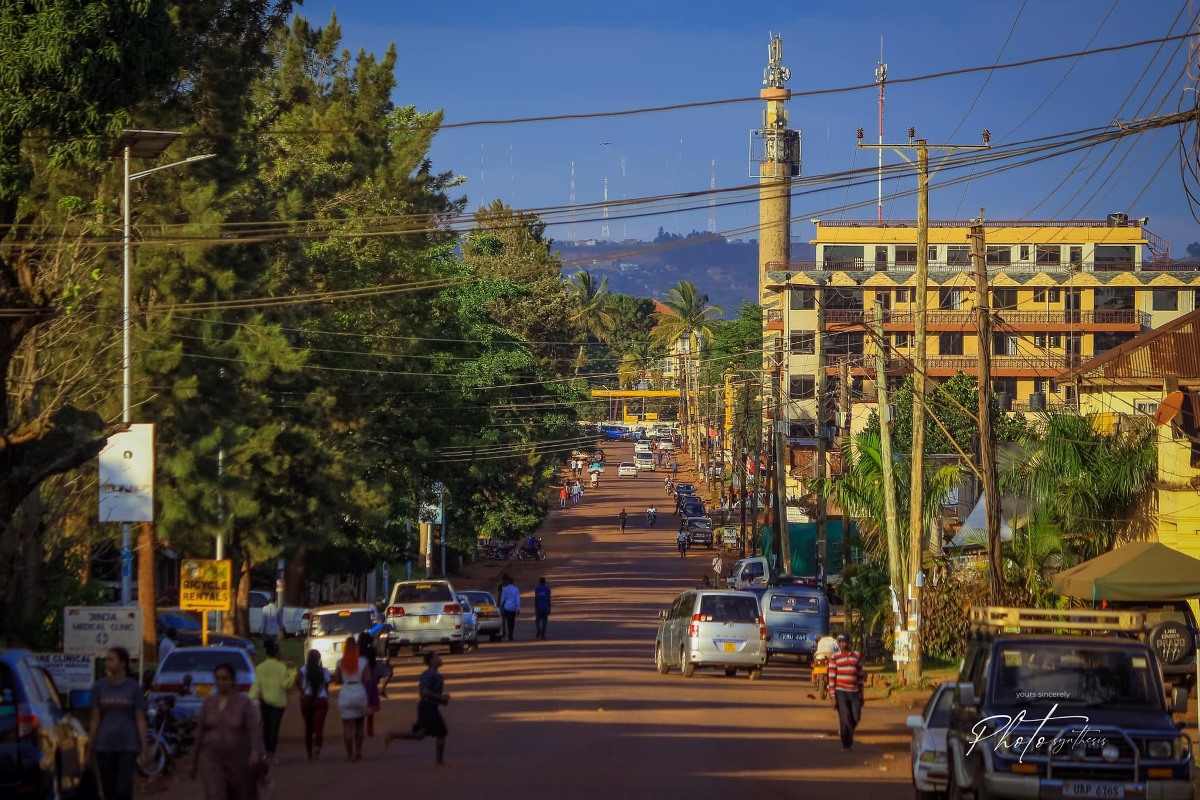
(637, 364)
(688, 317)
(591, 315)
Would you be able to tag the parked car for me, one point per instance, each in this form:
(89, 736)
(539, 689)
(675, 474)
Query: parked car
(1172, 632)
(644, 461)
(187, 674)
(330, 625)
(470, 622)
(797, 617)
(487, 614)
(293, 620)
(423, 613)
(628, 469)
(684, 489)
(929, 743)
(692, 507)
(715, 629)
(188, 630)
(643, 446)
(42, 746)
(700, 531)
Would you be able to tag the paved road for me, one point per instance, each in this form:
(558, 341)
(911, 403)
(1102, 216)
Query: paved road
(586, 713)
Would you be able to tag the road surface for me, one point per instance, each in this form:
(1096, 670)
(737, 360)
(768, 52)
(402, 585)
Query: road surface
(584, 712)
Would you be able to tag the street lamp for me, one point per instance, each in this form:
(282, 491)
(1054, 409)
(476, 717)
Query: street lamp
(135, 144)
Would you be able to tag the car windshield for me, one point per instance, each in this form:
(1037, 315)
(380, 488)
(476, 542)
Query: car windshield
(798, 604)
(480, 598)
(331, 623)
(205, 660)
(1075, 675)
(684, 488)
(422, 593)
(728, 608)
(939, 715)
(628, 464)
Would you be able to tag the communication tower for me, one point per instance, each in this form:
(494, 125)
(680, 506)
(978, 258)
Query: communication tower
(605, 233)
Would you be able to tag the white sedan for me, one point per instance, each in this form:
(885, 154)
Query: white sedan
(628, 469)
(929, 770)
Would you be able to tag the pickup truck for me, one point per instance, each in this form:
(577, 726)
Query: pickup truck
(294, 621)
(1052, 703)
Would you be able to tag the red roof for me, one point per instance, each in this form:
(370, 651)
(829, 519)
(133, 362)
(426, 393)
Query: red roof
(1171, 350)
(661, 309)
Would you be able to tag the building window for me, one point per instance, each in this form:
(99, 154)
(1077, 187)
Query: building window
(843, 298)
(1004, 298)
(950, 344)
(1108, 297)
(803, 299)
(1146, 407)
(1039, 385)
(804, 342)
(843, 256)
(958, 256)
(884, 299)
(998, 255)
(1039, 341)
(1054, 340)
(931, 253)
(950, 299)
(803, 388)
(902, 340)
(902, 295)
(1039, 295)
(844, 343)
(1004, 344)
(1024, 252)
(1053, 296)
(1076, 255)
(1165, 300)
(1049, 255)
(1113, 258)
(1105, 341)
(906, 255)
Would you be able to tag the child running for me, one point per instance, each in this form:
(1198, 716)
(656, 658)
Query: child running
(429, 718)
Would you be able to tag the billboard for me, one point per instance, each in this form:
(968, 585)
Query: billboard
(92, 630)
(206, 585)
(127, 476)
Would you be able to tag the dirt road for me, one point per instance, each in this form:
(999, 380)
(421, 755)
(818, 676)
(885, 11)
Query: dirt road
(586, 713)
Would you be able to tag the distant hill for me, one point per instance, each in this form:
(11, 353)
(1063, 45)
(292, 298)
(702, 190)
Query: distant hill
(725, 269)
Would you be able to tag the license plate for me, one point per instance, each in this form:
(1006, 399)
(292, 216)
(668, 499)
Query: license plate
(730, 647)
(202, 690)
(424, 620)
(1093, 789)
(487, 609)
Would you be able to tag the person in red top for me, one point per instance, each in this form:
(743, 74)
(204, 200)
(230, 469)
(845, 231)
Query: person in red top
(846, 680)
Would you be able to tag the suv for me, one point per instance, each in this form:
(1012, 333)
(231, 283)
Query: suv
(42, 747)
(700, 531)
(715, 629)
(424, 612)
(1172, 633)
(1038, 712)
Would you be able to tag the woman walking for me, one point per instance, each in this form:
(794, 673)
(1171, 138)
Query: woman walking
(313, 682)
(352, 699)
(229, 741)
(270, 690)
(118, 729)
(366, 648)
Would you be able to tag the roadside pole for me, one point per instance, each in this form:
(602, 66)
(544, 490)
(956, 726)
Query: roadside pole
(987, 440)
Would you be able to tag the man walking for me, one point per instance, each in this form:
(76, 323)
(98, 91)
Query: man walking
(270, 619)
(541, 608)
(846, 679)
(510, 606)
(562, 497)
(718, 567)
(621, 518)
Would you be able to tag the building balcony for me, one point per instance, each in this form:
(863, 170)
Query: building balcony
(940, 320)
(945, 366)
(994, 268)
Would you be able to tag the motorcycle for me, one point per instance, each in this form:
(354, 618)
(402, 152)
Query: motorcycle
(651, 517)
(527, 553)
(167, 733)
(820, 674)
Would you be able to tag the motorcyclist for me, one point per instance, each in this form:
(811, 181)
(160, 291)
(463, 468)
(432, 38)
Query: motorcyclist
(531, 545)
(681, 541)
(668, 484)
(651, 516)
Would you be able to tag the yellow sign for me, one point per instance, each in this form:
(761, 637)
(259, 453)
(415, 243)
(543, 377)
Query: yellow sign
(206, 585)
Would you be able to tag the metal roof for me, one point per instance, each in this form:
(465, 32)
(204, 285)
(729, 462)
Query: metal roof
(1172, 350)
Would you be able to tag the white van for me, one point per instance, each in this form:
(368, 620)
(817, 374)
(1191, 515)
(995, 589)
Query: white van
(644, 461)
(749, 572)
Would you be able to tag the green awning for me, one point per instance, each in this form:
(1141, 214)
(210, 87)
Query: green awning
(1137, 571)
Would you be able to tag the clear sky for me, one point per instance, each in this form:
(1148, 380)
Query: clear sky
(486, 60)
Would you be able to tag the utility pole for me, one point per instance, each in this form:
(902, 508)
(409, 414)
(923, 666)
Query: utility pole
(888, 466)
(917, 529)
(821, 470)
(780, 446)
(987, 440)
(847, 404)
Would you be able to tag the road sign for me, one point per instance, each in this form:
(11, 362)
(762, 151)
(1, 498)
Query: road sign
(69, 672)
(92, 630)
(730, 536)
(206, 585)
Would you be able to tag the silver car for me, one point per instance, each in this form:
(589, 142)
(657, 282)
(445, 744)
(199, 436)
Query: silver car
(187, 673)
(329, 626)
(930, 772)
(717, 629)
(424, 613)
(470, 622)
(487, 615)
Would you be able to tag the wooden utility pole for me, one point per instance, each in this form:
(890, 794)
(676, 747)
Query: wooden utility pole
(888, 467)
(846, 403)
(821, 467)
(916, 526)
(743, 454)
(779, 442)
(987, 439)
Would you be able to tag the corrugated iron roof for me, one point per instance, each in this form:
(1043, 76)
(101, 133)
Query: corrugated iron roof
(1172, 350)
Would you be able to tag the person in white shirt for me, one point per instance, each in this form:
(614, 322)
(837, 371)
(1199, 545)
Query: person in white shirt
(826, 646)
(167, 645)
(270, 619)
(510, 606)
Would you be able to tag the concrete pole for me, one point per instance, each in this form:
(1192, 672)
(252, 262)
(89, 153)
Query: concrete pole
(126, 366)
(821, 467)
(916, 518)
(987, 439)
(891, 520)
(846, 403)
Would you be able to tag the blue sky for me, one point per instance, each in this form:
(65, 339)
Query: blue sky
(490, 60)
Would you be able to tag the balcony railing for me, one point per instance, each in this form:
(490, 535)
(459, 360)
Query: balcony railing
(994, 267)
(1047, 363)
(1002, 318)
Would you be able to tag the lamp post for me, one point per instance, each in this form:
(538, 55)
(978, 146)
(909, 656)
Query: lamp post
(135, 144)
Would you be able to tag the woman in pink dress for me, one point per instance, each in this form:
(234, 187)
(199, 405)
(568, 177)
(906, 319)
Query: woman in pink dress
(228, 729)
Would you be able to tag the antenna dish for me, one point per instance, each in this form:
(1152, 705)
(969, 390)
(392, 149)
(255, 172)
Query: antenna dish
(1169, 408)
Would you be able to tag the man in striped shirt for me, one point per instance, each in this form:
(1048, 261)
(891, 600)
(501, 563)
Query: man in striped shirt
(846, 680)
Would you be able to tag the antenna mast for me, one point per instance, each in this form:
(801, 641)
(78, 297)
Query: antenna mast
(712, 201)
(881, 79)
(605, 233)
(572, 234)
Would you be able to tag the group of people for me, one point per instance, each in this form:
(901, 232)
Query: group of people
(573, 491)
(510, 607)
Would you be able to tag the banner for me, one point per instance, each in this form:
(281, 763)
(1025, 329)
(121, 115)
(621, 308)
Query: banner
(127, 476)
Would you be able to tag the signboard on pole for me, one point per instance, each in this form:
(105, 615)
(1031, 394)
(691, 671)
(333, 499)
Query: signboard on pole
(127, 476)
(92, 630)
(730, 536)
(69, 672)
(206, 585)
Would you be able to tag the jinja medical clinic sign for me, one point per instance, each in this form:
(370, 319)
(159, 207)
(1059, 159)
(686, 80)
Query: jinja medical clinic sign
(127, 476)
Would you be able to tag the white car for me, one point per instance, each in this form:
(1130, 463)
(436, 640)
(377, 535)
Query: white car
(628, 469)
(929, 771)
(424, 613)
(644, 461)
(293, 619)
(643, 446)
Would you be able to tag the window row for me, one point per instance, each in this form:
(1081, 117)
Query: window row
(1105, 258)
(959, 299)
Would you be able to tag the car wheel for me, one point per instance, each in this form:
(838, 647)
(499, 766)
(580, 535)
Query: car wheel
(155, 763)
(456, 648)
(730, 672)
(756, 674)
(686, 667)
(660, 663)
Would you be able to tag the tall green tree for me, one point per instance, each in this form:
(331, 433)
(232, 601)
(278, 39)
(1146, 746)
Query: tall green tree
(590, 313)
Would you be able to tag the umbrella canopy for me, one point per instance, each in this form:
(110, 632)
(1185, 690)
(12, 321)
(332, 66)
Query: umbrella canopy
(1137, 571)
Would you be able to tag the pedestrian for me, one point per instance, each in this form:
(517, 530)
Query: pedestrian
(595, 481)
(682, 543)
(718, 568)
(541, 608)
(622, 517)
(674, 469)
(846, 679)
(352, 699)
(229, 740)
(510, 606)
(117, 739)
(431, 693)
(704, 583)
(366, 648)
(270, 619)
(270, 690)
(562, 496)
(576, 493)
(313, 682)
(168, 644)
